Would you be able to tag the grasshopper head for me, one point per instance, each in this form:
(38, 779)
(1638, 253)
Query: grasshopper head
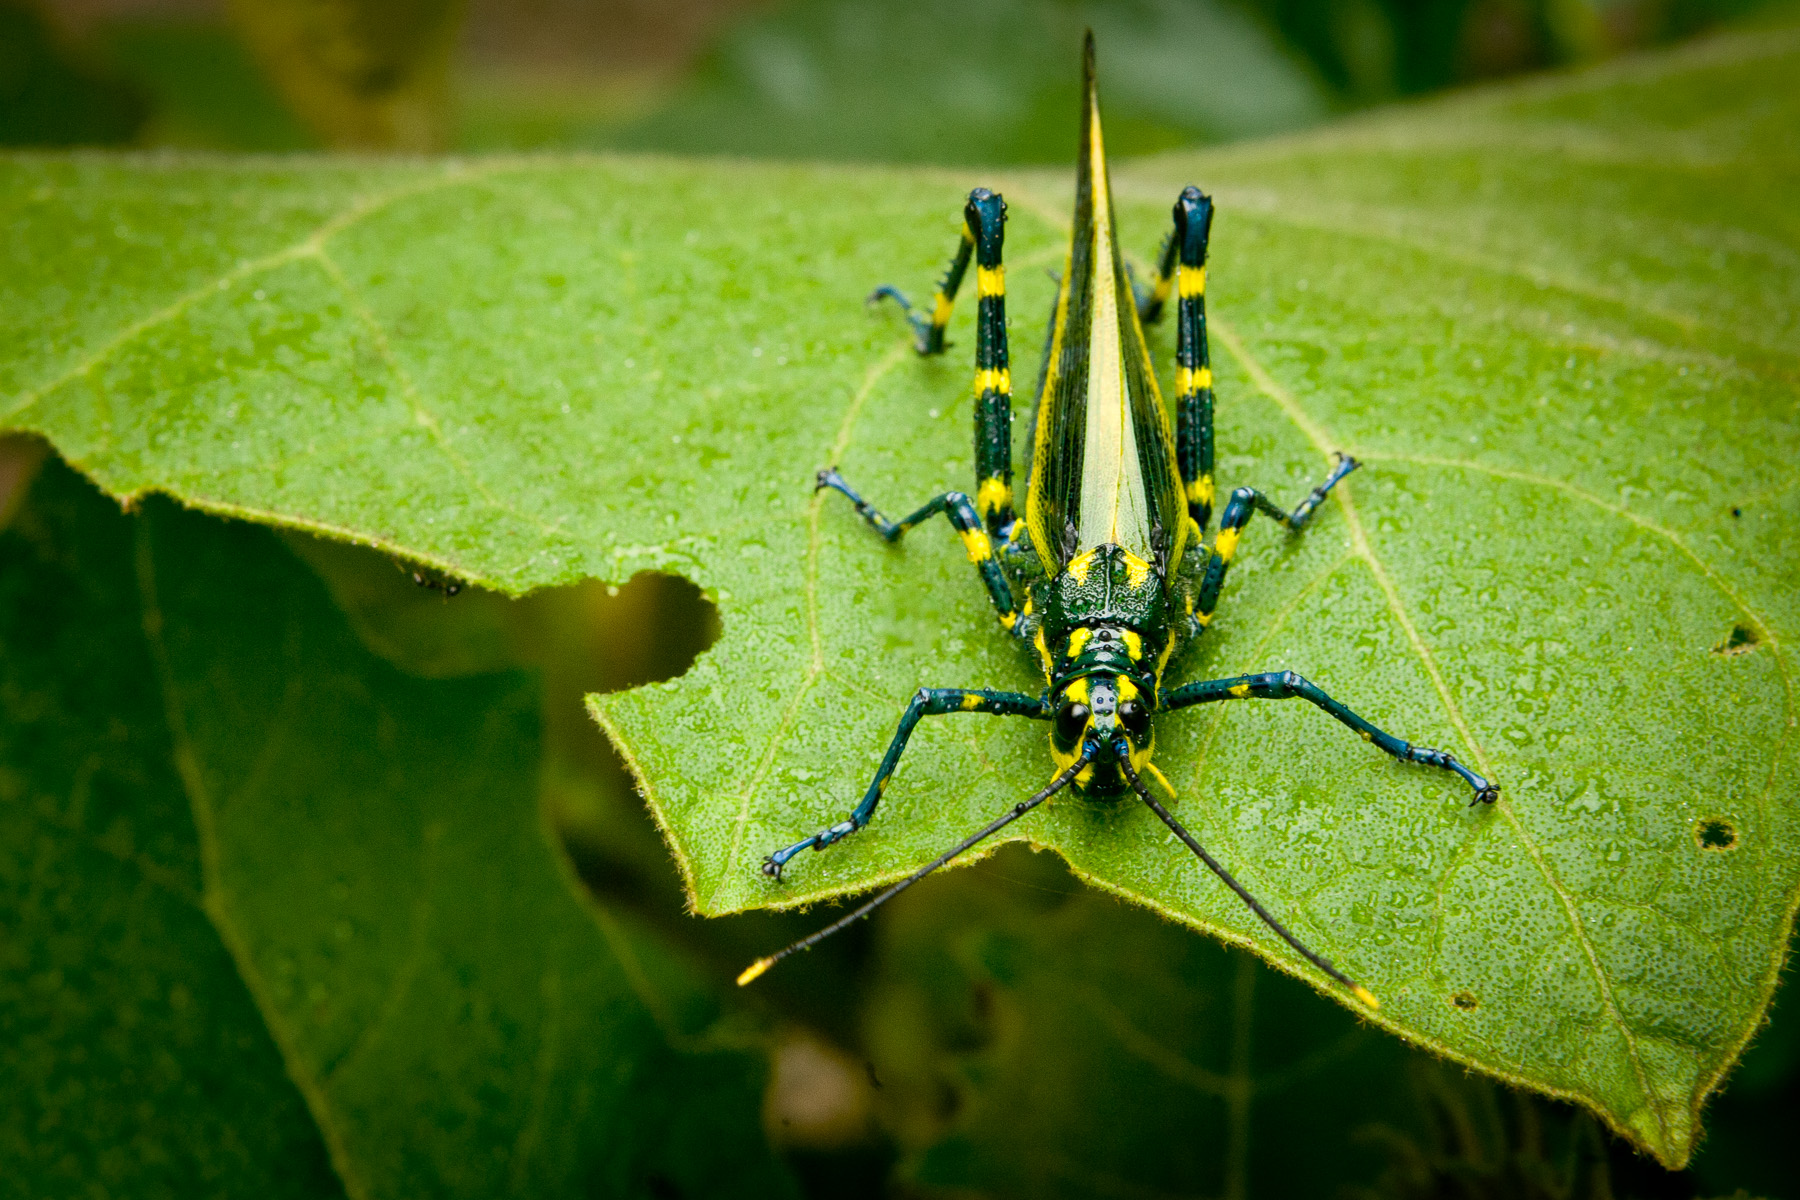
(1093, 711)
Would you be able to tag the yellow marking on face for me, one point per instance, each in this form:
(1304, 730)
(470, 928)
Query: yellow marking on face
(976, 542)
(1201, 490)
(990, 281)
(1078, 691)
(1241, 690)
(1226, 546)
(940, 316)
(1127, 690)
(992, 496)
(971, 702)
(1080, 565)
(1078, 641)
(1134, 644)
(1136, 570)
(1193, 282)
(994, 381)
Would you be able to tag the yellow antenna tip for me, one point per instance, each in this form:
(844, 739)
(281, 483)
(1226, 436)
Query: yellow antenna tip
(762, 964)
(1357, 990)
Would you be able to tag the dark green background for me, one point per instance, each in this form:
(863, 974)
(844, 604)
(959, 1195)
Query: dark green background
(1002, 1014)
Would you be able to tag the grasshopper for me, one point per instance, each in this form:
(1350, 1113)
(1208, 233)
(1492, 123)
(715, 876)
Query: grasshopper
(1105, 579)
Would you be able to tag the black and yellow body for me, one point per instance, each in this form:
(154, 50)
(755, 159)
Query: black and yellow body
(1105, 577)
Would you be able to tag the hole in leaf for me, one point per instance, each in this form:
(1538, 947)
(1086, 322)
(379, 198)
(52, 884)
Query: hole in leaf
(587, 637)
(1466, 1000)
(20, 457)
(1715, 833)
(1741, 640)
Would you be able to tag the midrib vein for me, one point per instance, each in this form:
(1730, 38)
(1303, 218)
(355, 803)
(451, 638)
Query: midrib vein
(1363, 550)
(815, 665)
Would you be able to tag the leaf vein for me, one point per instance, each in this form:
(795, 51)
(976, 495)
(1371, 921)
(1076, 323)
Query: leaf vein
(1359, 537)
(313, 244)
(810, 589)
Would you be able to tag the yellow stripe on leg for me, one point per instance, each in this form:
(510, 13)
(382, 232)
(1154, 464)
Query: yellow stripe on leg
(1226, 546)
(989, 379)
(990, 281)
(940, 316)
(1193, 282)
(976, 542)
(992, 496)
(1190, 379)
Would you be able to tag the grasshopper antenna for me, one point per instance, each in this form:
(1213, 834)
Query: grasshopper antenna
(992, 827)
(1123, 750)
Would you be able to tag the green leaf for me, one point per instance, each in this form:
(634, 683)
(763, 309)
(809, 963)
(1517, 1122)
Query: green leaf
(1032, 1038)
(276, 910)
(1556, 320)
(1029, 1037)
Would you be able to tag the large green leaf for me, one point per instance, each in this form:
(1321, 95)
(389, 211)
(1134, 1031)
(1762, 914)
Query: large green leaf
(1555, 320)
(1033, 1039)
(283, 920)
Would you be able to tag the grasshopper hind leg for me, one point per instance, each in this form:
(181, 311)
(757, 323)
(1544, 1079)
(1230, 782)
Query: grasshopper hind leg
(960, 511)
(928, 330)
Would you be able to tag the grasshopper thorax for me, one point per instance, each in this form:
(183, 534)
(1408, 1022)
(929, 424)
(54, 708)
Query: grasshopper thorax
(1105, 629)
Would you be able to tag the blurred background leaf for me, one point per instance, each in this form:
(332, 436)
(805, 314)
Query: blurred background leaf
(283, 919)
(930, 81)
(954, 1043)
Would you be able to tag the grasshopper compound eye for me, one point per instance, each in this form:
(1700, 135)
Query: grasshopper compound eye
(1136, 720)
(1071, 723)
